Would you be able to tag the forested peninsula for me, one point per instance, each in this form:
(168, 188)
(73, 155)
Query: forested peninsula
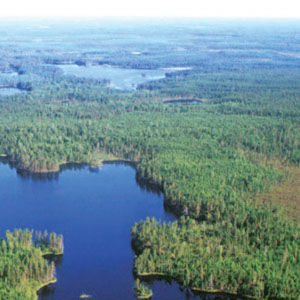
(23, 268)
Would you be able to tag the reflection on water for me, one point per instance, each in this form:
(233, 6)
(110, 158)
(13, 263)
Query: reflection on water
(148, 186)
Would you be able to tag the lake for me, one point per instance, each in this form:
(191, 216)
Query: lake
(183, 101)
(126, 79)
(10, 91)
(94, 209)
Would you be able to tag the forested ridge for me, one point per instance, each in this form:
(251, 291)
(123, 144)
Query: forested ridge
(210, 160)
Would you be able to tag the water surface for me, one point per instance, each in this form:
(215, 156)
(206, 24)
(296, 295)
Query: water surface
(183, 101)
(9, 91)
(120, 78)
(94, 210)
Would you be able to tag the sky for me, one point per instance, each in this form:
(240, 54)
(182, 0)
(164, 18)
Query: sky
(151, 8)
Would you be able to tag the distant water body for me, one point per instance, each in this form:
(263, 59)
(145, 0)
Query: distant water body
(120, 78)
(10, 91)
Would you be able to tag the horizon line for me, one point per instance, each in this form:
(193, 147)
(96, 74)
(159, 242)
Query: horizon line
(149, 17)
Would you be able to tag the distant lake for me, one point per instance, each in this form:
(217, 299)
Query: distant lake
(120, 78)
(183, 101)
(9, 74)
(94, 209)
(10, 91)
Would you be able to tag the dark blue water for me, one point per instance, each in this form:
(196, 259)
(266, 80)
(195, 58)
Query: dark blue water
(95, 211)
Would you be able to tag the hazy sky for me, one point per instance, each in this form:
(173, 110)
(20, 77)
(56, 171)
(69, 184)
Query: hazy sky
(171, 8)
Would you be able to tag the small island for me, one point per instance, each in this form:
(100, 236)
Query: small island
(85, 296)
(142, 291)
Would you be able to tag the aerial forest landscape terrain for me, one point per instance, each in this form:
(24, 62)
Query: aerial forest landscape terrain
(149, 158)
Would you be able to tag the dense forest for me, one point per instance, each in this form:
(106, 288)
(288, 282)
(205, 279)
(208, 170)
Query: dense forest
(210, 159)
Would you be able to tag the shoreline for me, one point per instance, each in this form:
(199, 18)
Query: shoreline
(198, 290)
(53, 280)
(42, 285)
(52, 254)
(182, 99)
(59, 166)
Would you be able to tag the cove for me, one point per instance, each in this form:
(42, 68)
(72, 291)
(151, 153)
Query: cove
(94, 209)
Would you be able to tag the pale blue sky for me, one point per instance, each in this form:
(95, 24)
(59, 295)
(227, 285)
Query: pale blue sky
(154, 8)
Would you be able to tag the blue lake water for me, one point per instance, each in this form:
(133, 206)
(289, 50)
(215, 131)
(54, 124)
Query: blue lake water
(94, 210)
(120, 78)
(10, 91)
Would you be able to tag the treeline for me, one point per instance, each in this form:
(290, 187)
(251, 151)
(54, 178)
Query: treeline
(23, 269)
(259, 92)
